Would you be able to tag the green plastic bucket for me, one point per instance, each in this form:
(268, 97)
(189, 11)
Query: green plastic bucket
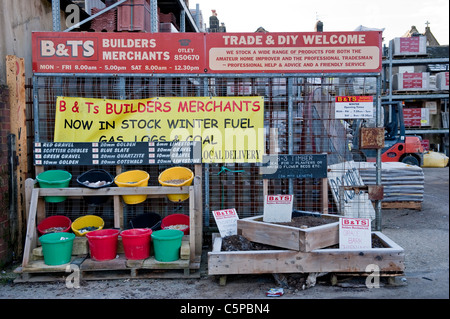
(167, 244)
(57, 248)
(54, 179)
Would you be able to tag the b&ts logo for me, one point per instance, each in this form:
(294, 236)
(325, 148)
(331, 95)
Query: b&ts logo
(68, 49)
(355, 222)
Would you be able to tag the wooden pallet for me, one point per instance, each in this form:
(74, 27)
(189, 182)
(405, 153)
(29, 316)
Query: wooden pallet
(410, 56)
(357, 280)
(402, 205)
(38, 271)
(119, 268)
(414, 92)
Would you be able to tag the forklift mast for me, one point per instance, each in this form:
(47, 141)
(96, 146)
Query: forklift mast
(398, 147)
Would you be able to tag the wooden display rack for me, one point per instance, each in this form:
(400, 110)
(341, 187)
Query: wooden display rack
(192, 244)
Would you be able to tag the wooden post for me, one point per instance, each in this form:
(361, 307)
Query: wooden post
(118, 206)
(15, 79)
(31, 236)
(324, 195)
(198, 209)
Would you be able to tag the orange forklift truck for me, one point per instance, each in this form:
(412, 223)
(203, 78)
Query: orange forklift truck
(397, 146)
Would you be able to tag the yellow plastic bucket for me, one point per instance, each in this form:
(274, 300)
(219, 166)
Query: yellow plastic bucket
(85, 224)
(176, 177)
(135, 178)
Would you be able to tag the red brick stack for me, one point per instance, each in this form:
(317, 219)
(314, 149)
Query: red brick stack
(104, 22)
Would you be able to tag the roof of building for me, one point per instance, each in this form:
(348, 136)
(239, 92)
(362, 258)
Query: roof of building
(431, 40)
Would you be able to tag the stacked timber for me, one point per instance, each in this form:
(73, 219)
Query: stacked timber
(401, 182)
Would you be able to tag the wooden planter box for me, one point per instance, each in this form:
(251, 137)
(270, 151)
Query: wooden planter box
(388, 259)
(305, 240)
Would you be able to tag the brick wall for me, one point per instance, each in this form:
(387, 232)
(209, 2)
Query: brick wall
(5, 245)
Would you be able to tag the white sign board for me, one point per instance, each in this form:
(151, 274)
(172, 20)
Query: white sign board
(278, 208)
(353, 107)
(344, 179)
(355, 233)
(226, 220)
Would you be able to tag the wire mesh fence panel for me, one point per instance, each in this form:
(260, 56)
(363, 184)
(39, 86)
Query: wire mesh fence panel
(299, 118)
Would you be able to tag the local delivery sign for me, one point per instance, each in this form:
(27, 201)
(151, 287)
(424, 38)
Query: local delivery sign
(231, 129)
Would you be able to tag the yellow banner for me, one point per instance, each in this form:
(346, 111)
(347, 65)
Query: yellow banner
(231, 129)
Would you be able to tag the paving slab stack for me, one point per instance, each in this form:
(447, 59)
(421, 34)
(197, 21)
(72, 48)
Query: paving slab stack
(401, 182)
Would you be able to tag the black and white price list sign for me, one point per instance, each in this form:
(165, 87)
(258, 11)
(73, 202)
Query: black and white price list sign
(117, 153)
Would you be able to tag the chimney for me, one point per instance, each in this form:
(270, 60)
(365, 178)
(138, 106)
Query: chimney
(319, 26)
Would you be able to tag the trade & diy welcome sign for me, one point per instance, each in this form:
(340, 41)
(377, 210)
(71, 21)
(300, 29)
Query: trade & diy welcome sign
(231, 129)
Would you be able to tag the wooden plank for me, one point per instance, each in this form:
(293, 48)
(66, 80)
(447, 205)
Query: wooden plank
(402, 205)
(39, 266)
(40, 210)
(324, 195)
(118, 211)
(152, 263)
(15, 79)
(31, 236)
(112, 191)
(217, 244)
(288, 237)
(319, 236)
(93, 265)
(251, 262)
(288, 261)
(29, 186)
(387, 241)
(270, 234)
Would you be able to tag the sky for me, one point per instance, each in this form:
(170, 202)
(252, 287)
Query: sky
(395, 16)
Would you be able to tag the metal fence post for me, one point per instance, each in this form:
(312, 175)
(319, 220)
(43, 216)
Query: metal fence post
(206, 208)
(378, 164)
(290, 83)
(154, 16)
(56, 17)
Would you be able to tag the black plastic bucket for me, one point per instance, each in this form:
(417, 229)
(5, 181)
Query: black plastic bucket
(93, 177)
(148, 220)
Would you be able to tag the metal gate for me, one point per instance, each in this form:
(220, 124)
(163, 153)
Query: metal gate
(299, 118)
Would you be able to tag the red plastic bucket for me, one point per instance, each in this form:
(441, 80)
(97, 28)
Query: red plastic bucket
(103, 244)
(54, 224)
(136, 243)
(175, 221)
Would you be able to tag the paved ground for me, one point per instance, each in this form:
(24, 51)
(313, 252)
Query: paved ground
(424, 235)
